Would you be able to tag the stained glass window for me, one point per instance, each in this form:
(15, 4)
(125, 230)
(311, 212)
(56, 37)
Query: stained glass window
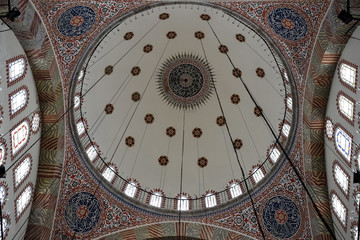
(130, 189)
(339, 208)
(343, 143)
(92, 153)
(19, 136)
(346, 107)
(35, 122)
(235, 190)
(80, 128)
(210, 200)
(5, 225)
(274, 155)
(155, 199)
(2, 153)
(23, 200)
(257, 174)
(81, 74)
(348, 74)
(329, 129)
(2, 194)
(109, 173)
(16, 69)
(289, 102)
(18, 100)
(341, 178)
(183, 204)
(286, 129)
(76, 101)
(22, 170)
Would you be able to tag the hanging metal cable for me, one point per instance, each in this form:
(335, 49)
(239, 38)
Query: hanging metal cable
(278, 143)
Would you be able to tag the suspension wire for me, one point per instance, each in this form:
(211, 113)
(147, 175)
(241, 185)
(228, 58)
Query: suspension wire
(182, 166)
(231, 139)
(137, 154)
(228, 154)
(280, 145)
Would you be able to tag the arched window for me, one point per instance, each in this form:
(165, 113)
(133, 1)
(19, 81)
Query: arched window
(183, 203)
(210, 200)
(80, 127)
(329, 129)
(2, 153)
(16, 69)
(289, 102)
(257, 174)
(343, 143)
(19, 136)
(274, 155)
(5, 225)
(22, 171)
(348, 74)
(76, 101)
(235, 190)
(155, 199)
(35, 122)
(338, 208)
(286, 129)
(92, 153)
(346, 107)
(3, 193)
(130, 189)
(18, 100)
(23, 201)
(341, 178)
(355, 231)
(109, 173)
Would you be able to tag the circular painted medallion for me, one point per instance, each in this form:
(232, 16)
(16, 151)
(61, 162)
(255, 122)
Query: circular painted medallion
(76, 21)
(288, 23)
(281, 217)
(185, 81)
(82, 212)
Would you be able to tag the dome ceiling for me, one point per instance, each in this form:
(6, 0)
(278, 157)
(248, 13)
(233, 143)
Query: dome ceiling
(168, 95)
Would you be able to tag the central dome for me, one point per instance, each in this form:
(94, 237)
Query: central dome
(181, 90)
(185, 81)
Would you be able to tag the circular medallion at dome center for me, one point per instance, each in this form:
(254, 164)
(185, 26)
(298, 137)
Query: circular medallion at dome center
(185, 81)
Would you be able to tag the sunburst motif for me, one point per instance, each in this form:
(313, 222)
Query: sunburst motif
(185, 81)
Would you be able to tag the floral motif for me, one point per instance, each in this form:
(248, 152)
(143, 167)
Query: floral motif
(257, 111)
(163, 160)
(148, 48)
(135, 71)
(164, 16)
(171, 35)
(235, 99)
(236, 72)
(128, 35)
(149, 118)
(109, 108)
(197, 132)
(223, 49)
(130, 141)
(220, 120)
(260, 72)
(135, 96)
(205, 17)
(202, 162)
(237, 144)
(199, 35)
(240, 37)
(108, 70)
(170, 131)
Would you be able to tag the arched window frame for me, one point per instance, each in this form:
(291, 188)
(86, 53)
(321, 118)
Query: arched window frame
(340, 154)
(228, 191)
(342, 114)
(4, 152)
(185, 201)
(135, 183)
(156, 198)
(346, 193)
(336, 213)
(6, 194)
(17, 152)
(86, 127)
(210, 197)
(23, 107)
(7, 218)
(289, 103)
(18, 185)
(272, 152)
(256, 168)
(97, 151)
(114, 172)
(344, 83)
(19, 78)
(20, 212)
(329, 129)
(37, 128)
